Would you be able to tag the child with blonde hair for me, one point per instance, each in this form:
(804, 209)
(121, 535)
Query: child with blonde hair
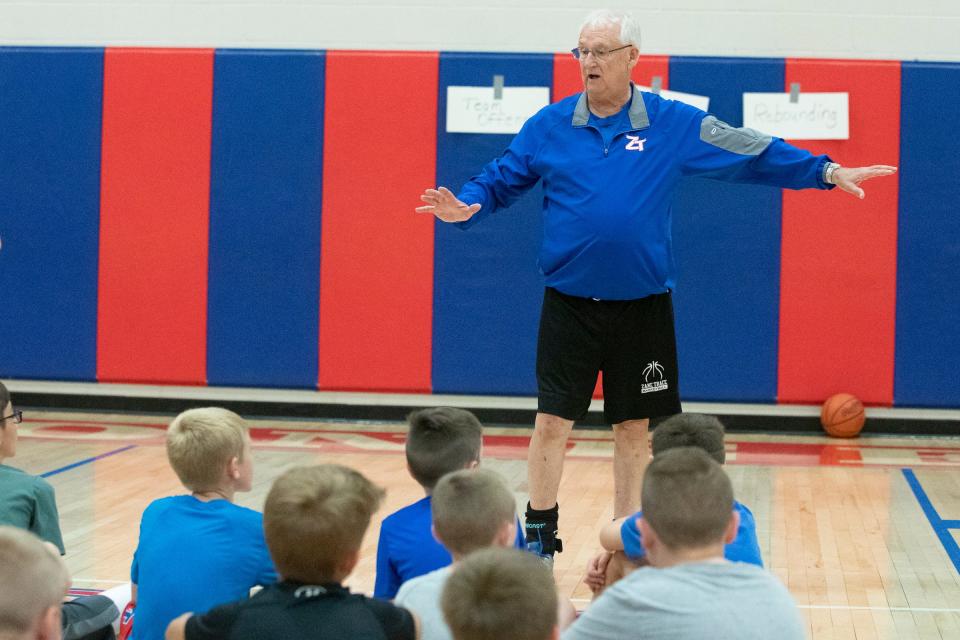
(34, 582)
(200, 550)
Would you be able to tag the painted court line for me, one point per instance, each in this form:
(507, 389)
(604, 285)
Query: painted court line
(853, 608)
(843, 607)
(940, 526)
(87, 461)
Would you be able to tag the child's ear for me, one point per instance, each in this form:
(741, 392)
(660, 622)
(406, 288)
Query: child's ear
(507, 534)
(648, 537)
(49, 624)
(233, 468)
(732, 527)
(473, 464)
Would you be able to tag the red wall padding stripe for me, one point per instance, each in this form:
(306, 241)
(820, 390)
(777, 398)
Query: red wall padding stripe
(152, 298)
(376, 269)
(567, 81)
(839, 257)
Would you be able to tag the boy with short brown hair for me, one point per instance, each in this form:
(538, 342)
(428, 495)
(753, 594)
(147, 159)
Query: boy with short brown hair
(495, 594)
(315, 519)
(690, 591)
(472, 509)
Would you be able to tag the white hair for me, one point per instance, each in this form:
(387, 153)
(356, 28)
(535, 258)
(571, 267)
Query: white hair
(629, 28)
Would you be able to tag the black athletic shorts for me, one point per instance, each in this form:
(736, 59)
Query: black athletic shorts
(631, 341)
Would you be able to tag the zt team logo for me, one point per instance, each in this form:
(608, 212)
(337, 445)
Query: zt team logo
(634, 143)
(653, 378)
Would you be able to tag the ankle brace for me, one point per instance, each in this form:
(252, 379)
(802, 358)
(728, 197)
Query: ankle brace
(541, 528)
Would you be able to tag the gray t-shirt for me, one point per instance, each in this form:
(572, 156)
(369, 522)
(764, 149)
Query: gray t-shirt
(421, 595)
(716, 600)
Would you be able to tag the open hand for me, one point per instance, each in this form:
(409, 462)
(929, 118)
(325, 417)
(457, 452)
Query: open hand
(596, 577)
(443, 204)
(849, 179)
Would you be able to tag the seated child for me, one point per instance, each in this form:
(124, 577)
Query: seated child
(500, 594)
(690, 591)
(315, 519)
(34, 583)
(28, 502)
(439, 441)
(622, 535)
(199, 550)
(472, 509)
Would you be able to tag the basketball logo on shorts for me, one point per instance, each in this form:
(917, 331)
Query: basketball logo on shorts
(653, 370)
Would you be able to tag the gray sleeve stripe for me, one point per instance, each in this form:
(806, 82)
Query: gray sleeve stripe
(743, 141)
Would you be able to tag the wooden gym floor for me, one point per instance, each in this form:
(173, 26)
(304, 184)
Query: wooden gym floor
(864, 532)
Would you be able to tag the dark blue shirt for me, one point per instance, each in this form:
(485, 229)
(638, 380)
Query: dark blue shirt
(407, 548)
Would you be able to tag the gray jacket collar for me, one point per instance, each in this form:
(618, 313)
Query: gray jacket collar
(638, 111)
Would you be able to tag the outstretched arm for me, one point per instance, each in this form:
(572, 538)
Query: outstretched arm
(444, 205)
(714, 149)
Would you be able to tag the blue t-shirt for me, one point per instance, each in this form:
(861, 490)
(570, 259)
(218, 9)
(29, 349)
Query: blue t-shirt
(744, 547)
(193, 556)
(407, 548)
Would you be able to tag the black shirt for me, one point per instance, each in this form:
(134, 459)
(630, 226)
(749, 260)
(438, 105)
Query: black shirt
(295, 610)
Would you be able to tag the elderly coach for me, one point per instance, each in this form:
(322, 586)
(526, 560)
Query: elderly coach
(609, 159)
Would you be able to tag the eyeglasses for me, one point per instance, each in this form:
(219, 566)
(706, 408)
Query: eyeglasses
(16, 415)
(599, 54)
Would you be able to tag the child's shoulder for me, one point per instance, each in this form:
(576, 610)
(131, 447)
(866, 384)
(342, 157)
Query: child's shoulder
(743, 509)
(411, 513)
(18, 475)
(185, 511)
(243, 515)
(187, 504)
(20, 478)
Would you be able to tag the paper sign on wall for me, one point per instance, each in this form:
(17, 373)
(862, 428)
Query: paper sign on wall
(815, 116)
(474, 109)
(700, 102)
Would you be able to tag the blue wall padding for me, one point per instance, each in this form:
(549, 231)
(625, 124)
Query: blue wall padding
(50, 111)
(928, 262)
(266, 162)
(727, 248)
(487, 286)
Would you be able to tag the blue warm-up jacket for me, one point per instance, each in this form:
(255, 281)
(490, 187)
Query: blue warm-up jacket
(606, 209)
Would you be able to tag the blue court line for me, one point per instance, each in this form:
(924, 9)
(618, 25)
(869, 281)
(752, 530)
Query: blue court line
(87, 461)
(940, 526)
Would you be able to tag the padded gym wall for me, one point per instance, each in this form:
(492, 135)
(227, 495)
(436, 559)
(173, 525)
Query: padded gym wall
(928, 270)
(193, 254)
(154, 211)
(726, 241)
(487, 287)
(265, 198)
(376, 273)
(839, 253)
(50, 109)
